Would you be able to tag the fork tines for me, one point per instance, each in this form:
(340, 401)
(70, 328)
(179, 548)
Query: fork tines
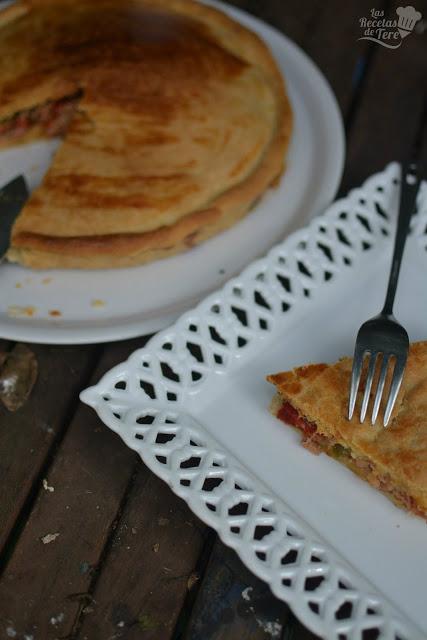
(389, 362)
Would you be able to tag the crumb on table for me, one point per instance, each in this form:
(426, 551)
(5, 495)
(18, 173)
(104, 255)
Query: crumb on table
(55, 313)
(49, 537)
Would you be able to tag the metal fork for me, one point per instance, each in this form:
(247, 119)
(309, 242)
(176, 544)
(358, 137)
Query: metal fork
(383, 335)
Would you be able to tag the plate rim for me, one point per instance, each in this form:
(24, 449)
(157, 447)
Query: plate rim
(55, 333)
(392, 622)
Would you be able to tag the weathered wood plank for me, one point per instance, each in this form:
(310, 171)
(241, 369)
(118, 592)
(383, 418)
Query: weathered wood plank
(295, 18)
(294, 630)
(151, 566)
(27, 436)
(334, 46)
(89, 474)
(390, 107)
(328, 31)
(233, 603)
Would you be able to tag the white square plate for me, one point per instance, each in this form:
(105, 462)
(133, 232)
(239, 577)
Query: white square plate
(194, 404)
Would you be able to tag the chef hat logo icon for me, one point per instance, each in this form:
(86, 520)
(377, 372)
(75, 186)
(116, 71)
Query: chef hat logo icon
(408, 17)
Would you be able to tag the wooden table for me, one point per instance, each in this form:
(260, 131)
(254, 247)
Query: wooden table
(131, 560)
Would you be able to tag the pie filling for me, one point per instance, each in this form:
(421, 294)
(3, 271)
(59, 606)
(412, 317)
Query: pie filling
(318, 443)
(53, 117)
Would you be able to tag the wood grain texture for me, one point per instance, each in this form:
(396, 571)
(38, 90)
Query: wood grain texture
(386, 121)
(27, 436)
(334, 46)
(233, 603)
(294, 18)
(47, 578)
(149, 569)
(5, 345)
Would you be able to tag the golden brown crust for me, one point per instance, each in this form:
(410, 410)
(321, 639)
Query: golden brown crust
(124, 250)
(320, 394)
(191, 117)
(13, 12)
(33, 134)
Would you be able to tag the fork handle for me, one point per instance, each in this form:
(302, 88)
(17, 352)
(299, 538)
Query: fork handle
(408, 194)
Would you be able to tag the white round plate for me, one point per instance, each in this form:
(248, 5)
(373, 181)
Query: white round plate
(64, 307)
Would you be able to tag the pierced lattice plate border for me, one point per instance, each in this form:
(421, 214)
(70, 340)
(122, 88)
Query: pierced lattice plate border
(147, 400)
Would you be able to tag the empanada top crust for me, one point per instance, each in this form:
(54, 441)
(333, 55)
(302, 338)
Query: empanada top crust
(179, 106)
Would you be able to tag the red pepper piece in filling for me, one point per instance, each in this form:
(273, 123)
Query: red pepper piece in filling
(287, 413)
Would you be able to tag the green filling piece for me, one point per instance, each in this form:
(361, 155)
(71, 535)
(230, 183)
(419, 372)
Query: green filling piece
(338, 452)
